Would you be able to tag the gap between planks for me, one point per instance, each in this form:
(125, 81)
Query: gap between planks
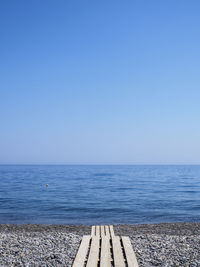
(103, 230)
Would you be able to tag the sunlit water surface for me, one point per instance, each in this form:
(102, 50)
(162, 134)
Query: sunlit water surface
(99, 194)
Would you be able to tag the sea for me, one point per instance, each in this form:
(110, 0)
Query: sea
(99, 194)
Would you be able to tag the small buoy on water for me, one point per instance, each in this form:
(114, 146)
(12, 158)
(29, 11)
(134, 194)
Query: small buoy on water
(47, 185)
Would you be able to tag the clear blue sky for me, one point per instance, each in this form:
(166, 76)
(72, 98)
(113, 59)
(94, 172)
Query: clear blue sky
(100, 81)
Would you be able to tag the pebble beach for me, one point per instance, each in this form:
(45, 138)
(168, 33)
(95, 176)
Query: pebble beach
(164, 244)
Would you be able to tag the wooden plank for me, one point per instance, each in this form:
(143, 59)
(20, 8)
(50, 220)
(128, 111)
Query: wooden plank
(111, 230)
(93, 231)
(117, 252)
(130, 255)
(97, 231)
(82, 252)
(94, 252)
(102, 230)
(107, 231)
(105, 260)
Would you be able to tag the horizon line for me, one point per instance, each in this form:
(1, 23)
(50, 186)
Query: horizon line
(99, 164)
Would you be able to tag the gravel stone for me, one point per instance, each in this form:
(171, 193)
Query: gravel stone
(38, 249)
(167, 244)
(164, 244)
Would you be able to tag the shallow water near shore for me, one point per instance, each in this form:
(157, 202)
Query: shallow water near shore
(99, 194)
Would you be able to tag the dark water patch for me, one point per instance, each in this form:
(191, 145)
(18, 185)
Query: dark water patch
(103, 174)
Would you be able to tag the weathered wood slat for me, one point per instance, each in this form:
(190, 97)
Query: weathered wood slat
(130, 255)
(93, 231)
(82, 252)
(117, 252)
(102, 230)
(107, 231)
(97, 231)
(111, 231)
(94, 252)
(105, 260)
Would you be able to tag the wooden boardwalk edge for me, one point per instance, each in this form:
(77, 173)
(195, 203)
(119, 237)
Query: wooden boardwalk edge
(82, 252)
(129, 252)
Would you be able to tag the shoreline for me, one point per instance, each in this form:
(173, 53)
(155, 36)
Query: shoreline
(175, 228)
(163, 244)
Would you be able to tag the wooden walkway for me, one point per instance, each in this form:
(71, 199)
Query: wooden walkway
(103, 248)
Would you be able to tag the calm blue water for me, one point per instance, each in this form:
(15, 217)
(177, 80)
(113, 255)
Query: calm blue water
(99, 194)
